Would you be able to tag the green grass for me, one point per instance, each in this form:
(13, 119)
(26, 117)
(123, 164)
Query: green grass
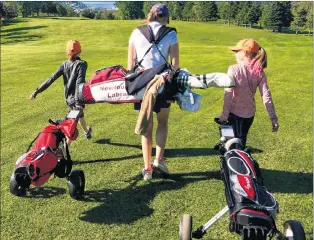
(119, 205)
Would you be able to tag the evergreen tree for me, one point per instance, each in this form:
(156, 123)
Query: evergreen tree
(88, 13)
(175, 9)
(187, 12)
(25, 8)
(61, 9)
(277, 15)
(287, 14)
(256, 12)
(276, 20)
(10, 9)
(206, 11)
(50, 8)
(70, 11)
(130, 10)
(98, 15)
(244, 15)
(309, 17)
(299, 17)
(108, 14)
(147, 6)
(228, 11)
(1, 10)
(265, 18)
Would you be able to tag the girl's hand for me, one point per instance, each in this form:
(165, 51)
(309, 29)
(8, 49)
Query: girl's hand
(32, 96)
(275, 125)
(78, 107)
(223, 119)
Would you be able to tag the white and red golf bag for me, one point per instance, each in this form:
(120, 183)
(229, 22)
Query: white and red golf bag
(252, 209)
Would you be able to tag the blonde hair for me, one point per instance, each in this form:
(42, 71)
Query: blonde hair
(259, 61)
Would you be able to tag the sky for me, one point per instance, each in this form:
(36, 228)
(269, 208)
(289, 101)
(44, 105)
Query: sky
(102, 4)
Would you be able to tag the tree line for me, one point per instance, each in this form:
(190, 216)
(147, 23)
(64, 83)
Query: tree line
(275, 15)
(53, 8)
(31, 9)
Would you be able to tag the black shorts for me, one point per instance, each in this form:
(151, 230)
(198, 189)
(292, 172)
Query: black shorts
(72, 107)
(158, 105)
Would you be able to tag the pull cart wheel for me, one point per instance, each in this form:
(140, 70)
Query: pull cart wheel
(185, 228)
(15, 188)
(76, 184)
(293, 230)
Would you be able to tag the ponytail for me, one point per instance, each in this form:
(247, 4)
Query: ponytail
(259, 61)
(153, 16)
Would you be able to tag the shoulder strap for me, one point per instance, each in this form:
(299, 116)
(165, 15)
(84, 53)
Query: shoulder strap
(148, 34)
(162, 32)
(147, 31)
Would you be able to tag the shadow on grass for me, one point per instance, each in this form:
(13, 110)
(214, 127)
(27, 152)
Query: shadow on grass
(120, 206)
(290, 31)
(44, 192)
(132, 203)
(287, 182)
(169, 152)
(8, 22)
(20, 34)
(59, 18)
(107, 159)
(21, 29)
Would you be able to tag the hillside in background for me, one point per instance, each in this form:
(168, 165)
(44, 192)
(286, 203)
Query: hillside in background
(106, 5)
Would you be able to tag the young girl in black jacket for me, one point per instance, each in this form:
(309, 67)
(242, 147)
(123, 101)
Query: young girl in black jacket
(73, 71)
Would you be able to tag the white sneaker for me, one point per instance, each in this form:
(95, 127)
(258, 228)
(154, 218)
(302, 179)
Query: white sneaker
(160, 166)
(147, 175)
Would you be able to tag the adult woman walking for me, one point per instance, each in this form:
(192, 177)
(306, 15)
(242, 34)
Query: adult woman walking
(168, 47)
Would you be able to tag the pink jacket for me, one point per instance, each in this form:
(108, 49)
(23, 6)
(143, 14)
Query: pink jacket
(241, 100)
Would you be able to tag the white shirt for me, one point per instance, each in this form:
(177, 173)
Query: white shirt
(153, 57)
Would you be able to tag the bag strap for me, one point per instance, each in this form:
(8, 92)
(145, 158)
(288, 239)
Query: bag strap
(30, 145)
(147, 31)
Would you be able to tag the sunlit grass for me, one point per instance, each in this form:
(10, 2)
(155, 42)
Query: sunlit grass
(118, 205)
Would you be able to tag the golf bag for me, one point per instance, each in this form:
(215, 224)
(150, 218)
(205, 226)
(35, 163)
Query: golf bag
(252, 209)
(114, 85)
(48, 154)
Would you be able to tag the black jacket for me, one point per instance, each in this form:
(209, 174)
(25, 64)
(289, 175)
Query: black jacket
(73, 74)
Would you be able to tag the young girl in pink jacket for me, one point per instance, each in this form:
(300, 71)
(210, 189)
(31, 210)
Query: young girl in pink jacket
(239, 102)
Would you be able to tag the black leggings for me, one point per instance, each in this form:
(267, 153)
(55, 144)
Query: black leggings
(240, 126)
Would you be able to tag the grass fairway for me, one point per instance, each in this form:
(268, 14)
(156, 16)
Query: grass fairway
(118, 204)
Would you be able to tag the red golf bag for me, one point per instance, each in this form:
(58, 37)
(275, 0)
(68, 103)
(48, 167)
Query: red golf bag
(48, 154)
